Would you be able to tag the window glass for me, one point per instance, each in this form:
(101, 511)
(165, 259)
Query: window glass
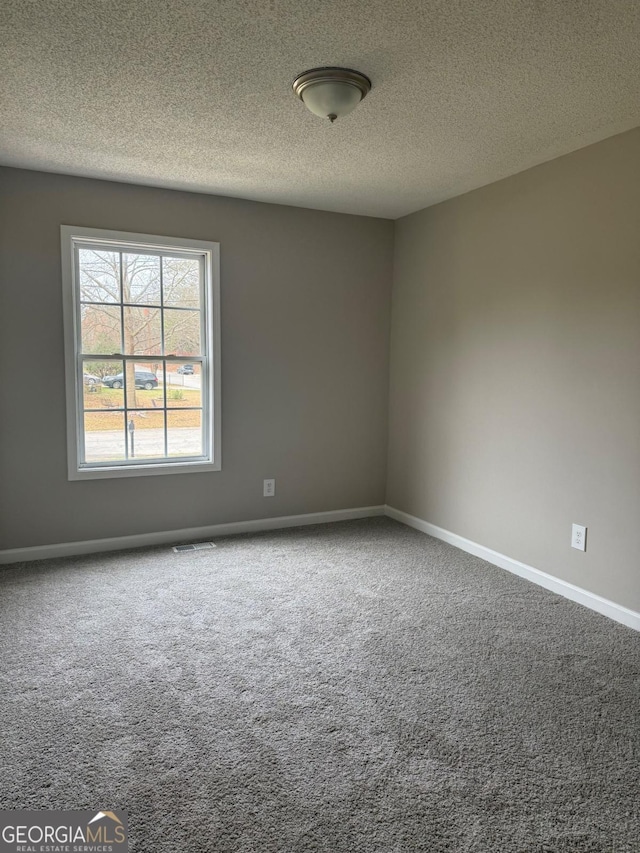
(184, 432)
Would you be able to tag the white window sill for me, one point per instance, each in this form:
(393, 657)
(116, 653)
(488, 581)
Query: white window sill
(142, 470)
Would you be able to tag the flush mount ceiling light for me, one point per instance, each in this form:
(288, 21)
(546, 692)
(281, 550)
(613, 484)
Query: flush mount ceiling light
(331, 92)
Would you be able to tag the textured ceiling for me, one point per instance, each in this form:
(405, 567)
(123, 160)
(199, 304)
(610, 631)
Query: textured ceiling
(195, 94)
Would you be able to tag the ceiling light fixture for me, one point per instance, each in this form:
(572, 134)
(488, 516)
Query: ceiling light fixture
(331, 92)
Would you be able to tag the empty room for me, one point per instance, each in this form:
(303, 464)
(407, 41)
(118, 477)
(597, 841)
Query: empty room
(320, 426)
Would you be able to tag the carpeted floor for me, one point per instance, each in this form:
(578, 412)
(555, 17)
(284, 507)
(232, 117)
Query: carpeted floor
(355, 687)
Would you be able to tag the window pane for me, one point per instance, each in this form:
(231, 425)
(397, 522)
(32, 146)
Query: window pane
(97, 394)
(99, 275)
(184, 433)
(184, 384)
(101, 329)
(181, 282)
(145, 385)
(181, 332)
(145, 433)
(142, 331)
(141, 279)
(104, 437)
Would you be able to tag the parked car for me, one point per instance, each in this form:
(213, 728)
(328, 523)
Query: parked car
(144, 379)
(90, 380)
(186, 369)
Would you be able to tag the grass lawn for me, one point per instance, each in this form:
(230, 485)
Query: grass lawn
(105, 400)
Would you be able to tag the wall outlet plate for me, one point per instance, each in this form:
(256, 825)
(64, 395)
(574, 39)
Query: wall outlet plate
(269, 488)
(579, 537)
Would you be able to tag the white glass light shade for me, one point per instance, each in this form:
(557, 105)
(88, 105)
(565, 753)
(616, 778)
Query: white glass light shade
(331, 92)
(331, 99)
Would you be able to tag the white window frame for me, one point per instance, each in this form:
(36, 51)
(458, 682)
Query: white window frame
(70, 236)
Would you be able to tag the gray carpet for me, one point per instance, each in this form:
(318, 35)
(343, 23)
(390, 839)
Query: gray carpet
(351, 687)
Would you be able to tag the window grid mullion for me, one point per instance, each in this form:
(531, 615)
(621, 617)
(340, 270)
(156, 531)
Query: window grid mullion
(169, 410)
(124, 367)
(148, 409)
(140, 305)
(103, 356)
(164, 361)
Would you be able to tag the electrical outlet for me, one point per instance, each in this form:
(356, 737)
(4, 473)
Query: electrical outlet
(269, 488)
(578, 537)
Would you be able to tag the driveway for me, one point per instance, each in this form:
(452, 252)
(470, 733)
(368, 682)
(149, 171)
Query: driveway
(183, 380)
(103, 445)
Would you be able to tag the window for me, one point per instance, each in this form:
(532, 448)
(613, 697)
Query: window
(142, 347)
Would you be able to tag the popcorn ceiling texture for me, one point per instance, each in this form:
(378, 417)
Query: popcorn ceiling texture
(195, 94)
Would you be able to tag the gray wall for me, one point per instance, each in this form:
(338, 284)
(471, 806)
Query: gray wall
(515, 366)
(305, 320)
(515, 379)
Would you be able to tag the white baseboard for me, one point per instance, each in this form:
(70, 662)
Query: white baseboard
(582, 596)
(142, 540)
